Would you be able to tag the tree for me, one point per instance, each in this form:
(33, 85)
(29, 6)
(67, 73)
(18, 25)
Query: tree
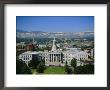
(89, 57)
(86, 69)
(67, 69)
(41, 67)
(73, 62)
(22, 68)
(34, 62)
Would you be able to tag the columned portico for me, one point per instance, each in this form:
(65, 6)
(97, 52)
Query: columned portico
(55, 57)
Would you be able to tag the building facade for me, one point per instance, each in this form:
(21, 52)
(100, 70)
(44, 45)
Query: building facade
(57, 57)
(28, 56)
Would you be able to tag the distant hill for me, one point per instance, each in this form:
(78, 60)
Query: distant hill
(41, 34)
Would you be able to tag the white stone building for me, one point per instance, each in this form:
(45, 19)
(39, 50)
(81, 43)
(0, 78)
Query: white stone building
(29, 55)
(57, 57)
(92, 52)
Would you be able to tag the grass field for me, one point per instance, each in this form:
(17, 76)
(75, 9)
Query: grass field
(33, 71)
(54, 70)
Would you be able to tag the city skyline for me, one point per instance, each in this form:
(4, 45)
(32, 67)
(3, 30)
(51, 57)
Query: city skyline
(55, 23)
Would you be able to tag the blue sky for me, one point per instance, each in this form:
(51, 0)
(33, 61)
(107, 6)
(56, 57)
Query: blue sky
(55, 23)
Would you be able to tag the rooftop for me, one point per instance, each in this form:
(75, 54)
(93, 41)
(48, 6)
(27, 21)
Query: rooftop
(31, 52)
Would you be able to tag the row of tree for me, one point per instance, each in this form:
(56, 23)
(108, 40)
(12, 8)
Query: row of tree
(37, 64)
(70, 70)
(22, 68)
(74, 69)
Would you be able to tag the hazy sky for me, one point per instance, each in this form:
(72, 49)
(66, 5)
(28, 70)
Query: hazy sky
(55, 23)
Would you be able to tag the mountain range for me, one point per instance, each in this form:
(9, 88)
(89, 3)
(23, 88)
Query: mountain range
(42, 34)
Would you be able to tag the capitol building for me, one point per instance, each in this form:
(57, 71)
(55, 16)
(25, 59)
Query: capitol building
(57, 57)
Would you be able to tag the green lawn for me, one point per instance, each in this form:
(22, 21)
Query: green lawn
(54, 70)
(33, 71)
